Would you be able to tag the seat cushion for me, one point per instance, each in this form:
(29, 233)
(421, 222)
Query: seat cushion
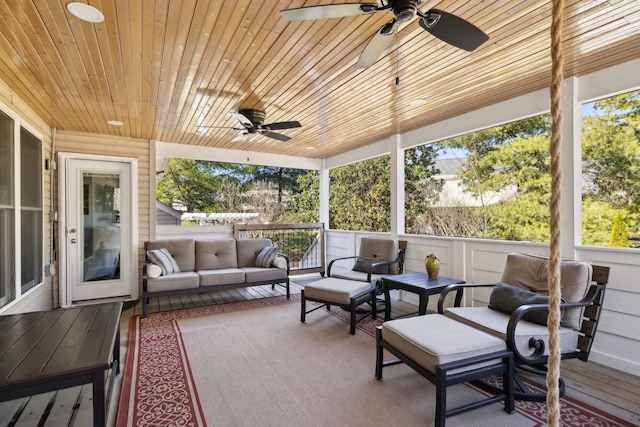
(495, 323)
(182, 280)
(337, 291)
(354, 275)
(259, 274)
(434, 339)
(221, 276)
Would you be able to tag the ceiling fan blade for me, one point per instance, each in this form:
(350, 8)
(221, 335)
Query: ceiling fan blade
(242, 119)
(328, 11)
(278, 136)
(453, 30)
(282, 125)
(377, 45)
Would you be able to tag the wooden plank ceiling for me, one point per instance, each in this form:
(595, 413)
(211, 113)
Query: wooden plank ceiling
(167, 67)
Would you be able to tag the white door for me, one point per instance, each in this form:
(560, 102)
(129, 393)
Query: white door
(98, 228)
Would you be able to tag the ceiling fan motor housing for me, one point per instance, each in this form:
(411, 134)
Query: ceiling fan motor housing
(255, 116)
(405, 10)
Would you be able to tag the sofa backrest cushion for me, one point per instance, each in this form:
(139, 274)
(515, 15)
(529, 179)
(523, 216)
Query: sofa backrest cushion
(531, 273)
(216, 254)
(182, 250)
(248, 250)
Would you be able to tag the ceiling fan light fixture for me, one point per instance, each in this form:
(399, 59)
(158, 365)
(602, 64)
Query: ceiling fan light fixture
(85, 12)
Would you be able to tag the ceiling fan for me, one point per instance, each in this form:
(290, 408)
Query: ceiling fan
(445, 26)
(251, 122)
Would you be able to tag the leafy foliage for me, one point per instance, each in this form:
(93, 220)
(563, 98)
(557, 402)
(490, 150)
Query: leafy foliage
(619, 233)
(360, 196)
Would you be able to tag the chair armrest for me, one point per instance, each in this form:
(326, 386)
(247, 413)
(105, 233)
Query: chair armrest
(286, 257)
(337, 259)
(459, 288)
(534, 342)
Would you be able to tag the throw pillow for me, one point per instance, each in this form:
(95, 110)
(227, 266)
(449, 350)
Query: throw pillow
(364, 265)
(162, 258)
(266, 256)
(507, 299)
(153, 271)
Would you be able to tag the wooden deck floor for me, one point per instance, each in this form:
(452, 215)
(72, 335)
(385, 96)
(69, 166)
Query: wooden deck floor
(604, 388)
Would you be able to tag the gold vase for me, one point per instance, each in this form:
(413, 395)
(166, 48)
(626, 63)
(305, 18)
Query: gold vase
(432, 265)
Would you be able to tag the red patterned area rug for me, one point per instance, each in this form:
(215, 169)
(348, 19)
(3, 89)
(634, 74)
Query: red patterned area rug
(159, 387)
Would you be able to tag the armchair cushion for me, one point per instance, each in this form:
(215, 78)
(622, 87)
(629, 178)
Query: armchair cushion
(531, 273)
(380, 249)
(364, 265)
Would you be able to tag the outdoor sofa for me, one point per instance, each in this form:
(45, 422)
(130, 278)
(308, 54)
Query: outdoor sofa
(182, 266)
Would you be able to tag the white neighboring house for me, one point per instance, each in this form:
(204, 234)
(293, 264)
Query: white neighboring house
(453, 193)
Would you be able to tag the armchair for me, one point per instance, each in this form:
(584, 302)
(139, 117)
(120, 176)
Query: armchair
(350, 289)
(518, 309)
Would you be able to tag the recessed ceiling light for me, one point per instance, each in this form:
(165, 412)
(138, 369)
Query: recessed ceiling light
(85, 12)
(417, 102)
(309, 148)
(115, 123)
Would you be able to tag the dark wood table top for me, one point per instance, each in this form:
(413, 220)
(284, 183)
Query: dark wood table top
(46, 347)
(418, 280)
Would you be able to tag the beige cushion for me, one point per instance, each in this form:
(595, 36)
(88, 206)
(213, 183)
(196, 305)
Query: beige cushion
(182, 280)
(531, 272)
(376, 249)
(259, 274)
(279, 262)
(495, 323)
(216, 254)
(337, 291)
(434, 339)
(354, 275)
(221, 276)
(153, 271)
(182, 250)
(248, 250)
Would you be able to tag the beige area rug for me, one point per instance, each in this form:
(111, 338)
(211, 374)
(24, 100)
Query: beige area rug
(253, 363)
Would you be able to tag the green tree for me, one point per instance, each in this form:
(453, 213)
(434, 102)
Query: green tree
(304, 206)
(421, 189)
(360, 196)
(507, 170)
(619, 233)
(192, 183)
(286, 179)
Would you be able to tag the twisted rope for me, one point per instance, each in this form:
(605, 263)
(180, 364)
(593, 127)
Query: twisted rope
(557, 60)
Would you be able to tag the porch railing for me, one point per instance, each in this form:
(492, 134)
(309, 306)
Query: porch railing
(303, 243)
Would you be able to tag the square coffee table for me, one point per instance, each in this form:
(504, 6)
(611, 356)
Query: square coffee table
(417, 283)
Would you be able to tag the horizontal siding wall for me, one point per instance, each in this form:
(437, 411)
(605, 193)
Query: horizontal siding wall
(617, 342)
(105, 145)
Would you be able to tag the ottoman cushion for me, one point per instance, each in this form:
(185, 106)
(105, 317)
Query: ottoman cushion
(338, 291)
(434, 339)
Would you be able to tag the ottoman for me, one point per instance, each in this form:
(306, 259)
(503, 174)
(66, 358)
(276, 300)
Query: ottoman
(446, 352)
(348, 294)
